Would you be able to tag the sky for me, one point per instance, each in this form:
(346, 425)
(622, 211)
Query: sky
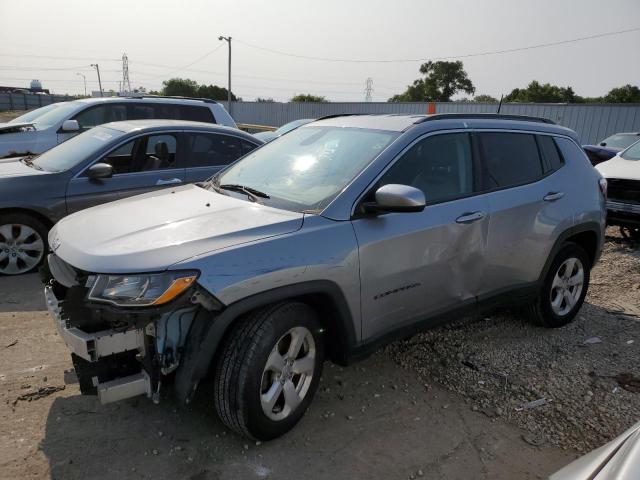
(56, 41)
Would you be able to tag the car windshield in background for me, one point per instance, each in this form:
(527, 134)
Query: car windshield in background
(68, 154)
(632, 153)
(305, 169)
(33, 114)
(55, 115)
(620, 140)
(287, 127)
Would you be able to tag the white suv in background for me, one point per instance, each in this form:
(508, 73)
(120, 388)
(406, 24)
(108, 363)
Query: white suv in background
(34, 133)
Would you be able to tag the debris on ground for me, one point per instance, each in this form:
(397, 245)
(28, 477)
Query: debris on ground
(500, 362)
(15, 342)
(532, 404)
(38, 394)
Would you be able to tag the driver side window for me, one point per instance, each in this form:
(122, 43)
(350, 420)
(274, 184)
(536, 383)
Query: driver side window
(441, 166)
(143, 154)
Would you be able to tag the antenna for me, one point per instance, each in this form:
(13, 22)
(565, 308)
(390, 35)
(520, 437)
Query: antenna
(500, 104)
(368, 89)
(126, 84)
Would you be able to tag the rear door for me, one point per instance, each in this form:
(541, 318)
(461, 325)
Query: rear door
(207, 153)
(525, 181)
(415, 265)
(143, 164)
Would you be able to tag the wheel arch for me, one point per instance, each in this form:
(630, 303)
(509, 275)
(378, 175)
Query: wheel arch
(46, 221)
(210, 328)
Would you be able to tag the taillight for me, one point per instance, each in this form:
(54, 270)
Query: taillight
(602, 183)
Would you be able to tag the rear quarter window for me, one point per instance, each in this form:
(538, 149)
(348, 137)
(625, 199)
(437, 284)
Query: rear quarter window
(551, 157)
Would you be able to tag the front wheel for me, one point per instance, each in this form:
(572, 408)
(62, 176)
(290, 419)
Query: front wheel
(23, 243)
(268, 370)
(564, 288)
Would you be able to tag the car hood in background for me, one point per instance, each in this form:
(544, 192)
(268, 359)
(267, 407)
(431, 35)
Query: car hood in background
(618, 167)
(14, 127)
(155, 230)
(13, 167)
(617, 460)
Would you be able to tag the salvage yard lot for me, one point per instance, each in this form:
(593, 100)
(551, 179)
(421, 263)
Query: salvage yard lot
(439, 405)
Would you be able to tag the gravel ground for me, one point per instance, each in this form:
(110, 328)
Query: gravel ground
(588, 373)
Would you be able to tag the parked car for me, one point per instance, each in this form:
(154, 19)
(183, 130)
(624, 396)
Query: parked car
(617, 460)
(38, 133)
(287, 127)
(343, 235)
(108, 162)
(610, 146)
(623, 178)
(31, 115)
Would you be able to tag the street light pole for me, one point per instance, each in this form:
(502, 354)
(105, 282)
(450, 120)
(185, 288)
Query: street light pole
(228, 40)
(97, 67)
(85, 82)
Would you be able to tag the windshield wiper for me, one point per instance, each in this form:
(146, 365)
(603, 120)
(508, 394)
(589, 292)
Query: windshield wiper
(252, 193)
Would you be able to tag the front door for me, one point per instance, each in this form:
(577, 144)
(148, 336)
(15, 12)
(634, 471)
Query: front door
(146, 163)
(416, 265)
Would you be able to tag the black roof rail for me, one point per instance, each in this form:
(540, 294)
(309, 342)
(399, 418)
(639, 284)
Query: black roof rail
(206, 100)
(335, 115)
(485, 116)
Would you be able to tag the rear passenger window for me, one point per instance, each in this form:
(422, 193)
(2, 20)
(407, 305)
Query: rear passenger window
(206, 149)
(441, 166)
(196, 114)
(550, 153)
(509, 159)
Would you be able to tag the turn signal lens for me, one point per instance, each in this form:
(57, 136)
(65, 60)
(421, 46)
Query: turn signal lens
(178, 286)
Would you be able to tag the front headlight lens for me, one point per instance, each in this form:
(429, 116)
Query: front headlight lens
(140, 290)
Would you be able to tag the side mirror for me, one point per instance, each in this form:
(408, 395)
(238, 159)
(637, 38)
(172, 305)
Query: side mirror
(396, 198)
(70, 126)
(603, 144)
(100, 170)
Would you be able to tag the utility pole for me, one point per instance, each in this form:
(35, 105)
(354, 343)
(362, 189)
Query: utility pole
(228, 40)
(85, 82)
(97, 67)
(368, 88)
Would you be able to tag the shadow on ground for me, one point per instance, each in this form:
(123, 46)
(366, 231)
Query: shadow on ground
(21, 293)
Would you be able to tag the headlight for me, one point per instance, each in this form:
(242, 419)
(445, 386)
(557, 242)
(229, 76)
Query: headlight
(140, 290)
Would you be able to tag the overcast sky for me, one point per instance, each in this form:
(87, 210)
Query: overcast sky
(161, 37)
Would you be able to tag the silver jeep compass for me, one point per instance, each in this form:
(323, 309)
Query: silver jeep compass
(326, 243)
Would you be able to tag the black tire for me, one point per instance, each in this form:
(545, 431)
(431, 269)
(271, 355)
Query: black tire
(37, 226)
(541, 312)
(240, 364)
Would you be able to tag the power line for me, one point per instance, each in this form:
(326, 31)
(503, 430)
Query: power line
(189, 64)
(450, 57)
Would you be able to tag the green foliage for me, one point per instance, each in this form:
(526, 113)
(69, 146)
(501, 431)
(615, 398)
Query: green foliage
(485, 99)
(308, 98)
(625, 94)
(542, 93)
(265, 100)
(441, 81)
(184, 87)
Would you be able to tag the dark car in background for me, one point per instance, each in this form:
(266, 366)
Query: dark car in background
(610, 146)
(106, 163)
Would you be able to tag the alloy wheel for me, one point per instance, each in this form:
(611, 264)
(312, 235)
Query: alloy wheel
(567, 286)
(21, 248)
(288, 373)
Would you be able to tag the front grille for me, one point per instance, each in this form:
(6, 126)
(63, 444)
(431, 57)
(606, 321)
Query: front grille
(624, 191)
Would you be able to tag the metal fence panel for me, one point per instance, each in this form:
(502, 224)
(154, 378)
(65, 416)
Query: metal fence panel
(28, 101)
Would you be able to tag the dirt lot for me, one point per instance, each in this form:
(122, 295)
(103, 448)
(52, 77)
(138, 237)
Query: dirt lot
(6, 116)
(440, 405)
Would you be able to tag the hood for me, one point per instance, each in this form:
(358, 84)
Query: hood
(618, 167)
(602, 149)
(617, 460)
(153, 231)
(13, 167)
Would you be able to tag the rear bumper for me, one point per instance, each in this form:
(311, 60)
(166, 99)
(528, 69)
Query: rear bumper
(93, 347)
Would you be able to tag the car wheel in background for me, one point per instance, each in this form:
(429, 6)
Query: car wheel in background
(23, 243)
(268, 370)
(563, 289)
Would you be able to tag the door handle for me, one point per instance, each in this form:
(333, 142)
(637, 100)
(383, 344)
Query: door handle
(168, 181)
(553, 196)
(470, 217)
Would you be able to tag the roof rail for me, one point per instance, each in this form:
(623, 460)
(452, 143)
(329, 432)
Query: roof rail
(334, 115)
(486, 116)
(206, 100)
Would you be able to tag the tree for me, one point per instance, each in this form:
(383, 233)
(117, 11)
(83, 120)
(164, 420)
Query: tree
(308, 98)
(542, 93)
(625, 94)
(485, 99)
(265, 100)
(185, 87)
(442, 80)
(215, 93)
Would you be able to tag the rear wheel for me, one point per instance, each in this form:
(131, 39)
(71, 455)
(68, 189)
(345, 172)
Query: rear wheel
(268, 370)
(563, 289)
(23, 243)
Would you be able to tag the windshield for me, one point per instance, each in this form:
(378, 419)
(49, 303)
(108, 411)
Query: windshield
(305, 169)
(287, 127)
(70, 153)
(31, 115)
(632, 153)
(56, 115)
(620, 140)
